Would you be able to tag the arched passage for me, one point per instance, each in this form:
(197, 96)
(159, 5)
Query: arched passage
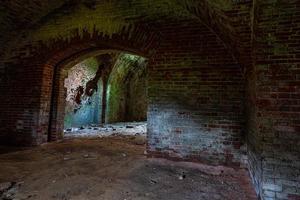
(127, 90)
(193, 115)
(110, 101)
(63, 56)
(208, 50)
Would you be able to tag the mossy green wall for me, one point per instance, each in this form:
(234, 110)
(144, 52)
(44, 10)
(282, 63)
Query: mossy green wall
(126, 94)
(137, 102)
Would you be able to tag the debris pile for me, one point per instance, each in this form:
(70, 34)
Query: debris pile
(117, 129)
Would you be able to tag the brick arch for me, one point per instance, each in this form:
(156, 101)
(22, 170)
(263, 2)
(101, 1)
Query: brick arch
(34, 112)
(61, 55)
(57, 95)
(201, 9)
(140, 39)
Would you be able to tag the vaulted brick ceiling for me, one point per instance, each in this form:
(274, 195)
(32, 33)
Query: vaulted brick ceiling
(17, 16)
(22, 13)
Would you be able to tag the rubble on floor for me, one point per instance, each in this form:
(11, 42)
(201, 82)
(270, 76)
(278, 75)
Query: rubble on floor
(8, 190)
(122, 128)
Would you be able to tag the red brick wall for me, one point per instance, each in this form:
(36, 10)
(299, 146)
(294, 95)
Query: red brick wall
(195, 86)
(27, 81)
(196, 89)
(275, 118)
(196, 97)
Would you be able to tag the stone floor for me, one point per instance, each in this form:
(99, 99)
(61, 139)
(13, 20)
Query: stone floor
(122, 128)
(112, 168)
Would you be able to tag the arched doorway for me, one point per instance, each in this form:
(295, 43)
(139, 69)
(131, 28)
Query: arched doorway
(108, 74)
(108, 88)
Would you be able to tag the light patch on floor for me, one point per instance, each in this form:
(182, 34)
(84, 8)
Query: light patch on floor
(122, 128)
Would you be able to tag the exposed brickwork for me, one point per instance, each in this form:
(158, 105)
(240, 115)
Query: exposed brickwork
(219, 71)
(230, 21)
(196, 97)
(26, 107)
(274, 137)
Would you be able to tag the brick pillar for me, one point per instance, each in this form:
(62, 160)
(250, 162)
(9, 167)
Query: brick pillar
(274, 135)
(57, 106)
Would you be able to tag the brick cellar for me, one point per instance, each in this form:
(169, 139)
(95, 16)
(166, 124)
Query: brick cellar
(150, 99)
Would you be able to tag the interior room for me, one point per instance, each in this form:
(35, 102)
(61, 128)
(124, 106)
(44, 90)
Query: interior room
(150, 99)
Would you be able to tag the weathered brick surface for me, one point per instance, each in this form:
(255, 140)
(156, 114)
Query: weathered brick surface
(230, 21)
(274, 136)
(196, 97)
(26, 107)
(209, 86)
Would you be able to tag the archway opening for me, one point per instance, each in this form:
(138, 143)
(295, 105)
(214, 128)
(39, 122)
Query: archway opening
(106, 95)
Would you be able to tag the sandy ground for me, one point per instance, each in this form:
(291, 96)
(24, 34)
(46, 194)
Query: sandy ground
(112, 168)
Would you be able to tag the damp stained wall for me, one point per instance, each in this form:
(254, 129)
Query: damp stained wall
(88, 111)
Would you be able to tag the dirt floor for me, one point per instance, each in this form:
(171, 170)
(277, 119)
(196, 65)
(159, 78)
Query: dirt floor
(112, 168)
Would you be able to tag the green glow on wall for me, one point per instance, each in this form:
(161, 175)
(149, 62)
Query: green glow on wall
(118, 88)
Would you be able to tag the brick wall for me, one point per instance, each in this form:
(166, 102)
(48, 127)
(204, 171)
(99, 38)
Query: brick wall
(196, 94)
(196, 88)
(27, 76)
(274, 137)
